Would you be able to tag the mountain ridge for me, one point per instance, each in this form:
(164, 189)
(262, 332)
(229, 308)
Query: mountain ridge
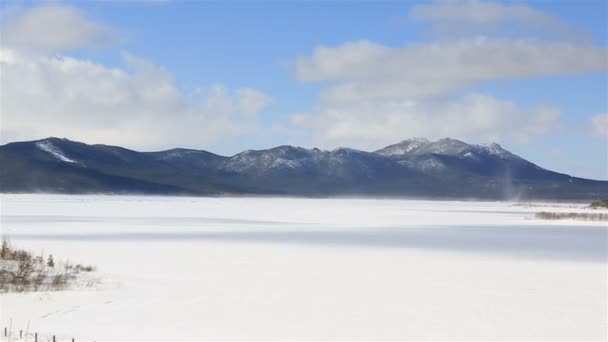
(416, 167)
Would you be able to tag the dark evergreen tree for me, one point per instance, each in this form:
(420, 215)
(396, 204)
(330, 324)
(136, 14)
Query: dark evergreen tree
(50, 262)
(5, 251)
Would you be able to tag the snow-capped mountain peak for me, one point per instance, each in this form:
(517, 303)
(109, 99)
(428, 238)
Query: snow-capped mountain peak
(445, 146)
(494, 149)
(419, 146)
(404, 147)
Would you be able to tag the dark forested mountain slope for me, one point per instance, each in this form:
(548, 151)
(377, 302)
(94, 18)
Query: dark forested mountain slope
(446, 168)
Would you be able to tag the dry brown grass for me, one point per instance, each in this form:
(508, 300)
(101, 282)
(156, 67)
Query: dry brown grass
(543, 215)
(21, 271)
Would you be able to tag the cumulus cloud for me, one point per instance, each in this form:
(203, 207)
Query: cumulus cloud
(373, 93)
(53, 28)
(600, 124)
(477, 116)
(138, 104)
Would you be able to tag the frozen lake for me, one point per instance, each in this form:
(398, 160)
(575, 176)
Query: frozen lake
(276, 268)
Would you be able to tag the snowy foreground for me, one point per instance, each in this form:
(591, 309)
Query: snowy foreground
(267, 268)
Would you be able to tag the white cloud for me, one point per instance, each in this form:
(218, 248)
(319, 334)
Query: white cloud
(365, 71)
(476, 117)
(394, 93)
(600, 124)
(51, 28)
(45, 93)
(373, 93)
(459, 61)
(138, 106)
(457, 18)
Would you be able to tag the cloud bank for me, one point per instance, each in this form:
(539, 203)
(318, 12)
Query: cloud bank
(373, 94)
(139, 104)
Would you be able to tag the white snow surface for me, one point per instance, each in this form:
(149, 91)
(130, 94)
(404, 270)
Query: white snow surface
(53, 150)
(182, 268)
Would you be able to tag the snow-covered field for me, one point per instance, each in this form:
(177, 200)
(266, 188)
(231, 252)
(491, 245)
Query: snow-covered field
(309, 269)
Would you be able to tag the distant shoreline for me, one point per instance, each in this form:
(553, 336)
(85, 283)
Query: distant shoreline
(517, 202)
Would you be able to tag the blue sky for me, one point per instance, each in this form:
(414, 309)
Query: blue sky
(228, 76)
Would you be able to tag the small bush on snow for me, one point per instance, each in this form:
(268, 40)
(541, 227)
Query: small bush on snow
(21, 271)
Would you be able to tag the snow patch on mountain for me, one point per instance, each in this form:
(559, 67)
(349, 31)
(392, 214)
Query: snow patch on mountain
(431, 164)
(425, 165)
(446, 146)
(285, 163)
(496, 150)
(282, 157)
(53, 150)
(177, 154)
(403, 147)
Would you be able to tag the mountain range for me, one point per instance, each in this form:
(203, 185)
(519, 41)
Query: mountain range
(446, 168)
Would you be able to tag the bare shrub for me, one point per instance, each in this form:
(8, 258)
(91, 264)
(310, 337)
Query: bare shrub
(21, 271)
(59, 282)
(22, 277)
(603, 204)
(5, 250)
(84, 268)
(5, 279)
(543, 215)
